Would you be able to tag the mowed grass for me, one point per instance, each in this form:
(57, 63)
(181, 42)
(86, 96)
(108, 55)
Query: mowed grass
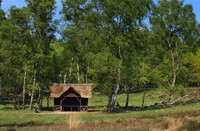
(25, 120)
(15, 117)
(97, 115)
(10, 116)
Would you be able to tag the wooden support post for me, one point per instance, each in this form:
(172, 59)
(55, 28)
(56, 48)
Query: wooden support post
(61, 104)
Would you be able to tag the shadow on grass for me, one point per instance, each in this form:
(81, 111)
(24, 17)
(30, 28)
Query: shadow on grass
(47, 108)
(6, 108)
(25, 124)
(94, 110)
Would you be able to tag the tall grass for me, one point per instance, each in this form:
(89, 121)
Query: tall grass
(74, 122)
(175, 123)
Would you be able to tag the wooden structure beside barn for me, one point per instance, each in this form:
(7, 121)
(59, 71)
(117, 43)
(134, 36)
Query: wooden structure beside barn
(71, 97)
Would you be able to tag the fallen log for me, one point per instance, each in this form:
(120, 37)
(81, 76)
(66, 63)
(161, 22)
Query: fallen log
(162, 104)
(182, 97)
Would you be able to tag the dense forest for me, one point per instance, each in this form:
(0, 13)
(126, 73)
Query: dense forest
(131, 45)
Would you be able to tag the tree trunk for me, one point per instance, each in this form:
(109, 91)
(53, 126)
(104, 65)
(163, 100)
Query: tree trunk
(85, 73)
(188, 95)
(119, 75)
(31, 101)
(85, 76)
(24, 90)
(18, 103)
(39, 97)
(41, 101)
(174, 78)
(65, 78)
(109, 101)
(70, 70)
(78, 75)
(14, 103)
(32, 92)
(170, 95)
(143, 98)
(175, 64)
(114, 98)
(127, 97)
(40, 91)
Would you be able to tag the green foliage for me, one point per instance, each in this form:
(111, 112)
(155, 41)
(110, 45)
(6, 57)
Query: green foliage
(177, 90)
(102, 42)
(194, 67)
(107, 66)
(181, 90)
(174, 27)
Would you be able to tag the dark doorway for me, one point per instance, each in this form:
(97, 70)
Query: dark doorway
(71, 104)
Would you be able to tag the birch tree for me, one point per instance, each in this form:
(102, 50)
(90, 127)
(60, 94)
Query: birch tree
(43, 28)
(174, 24)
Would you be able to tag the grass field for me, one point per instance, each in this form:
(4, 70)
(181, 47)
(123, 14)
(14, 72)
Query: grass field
(185, 117)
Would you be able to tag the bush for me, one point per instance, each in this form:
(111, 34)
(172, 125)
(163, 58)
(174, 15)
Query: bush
(181, 90)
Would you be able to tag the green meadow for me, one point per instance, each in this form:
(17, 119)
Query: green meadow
(100, 119)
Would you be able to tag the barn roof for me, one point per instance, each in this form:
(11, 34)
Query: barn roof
(85, 90)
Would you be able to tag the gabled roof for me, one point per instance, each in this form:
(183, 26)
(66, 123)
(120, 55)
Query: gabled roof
(85, 90)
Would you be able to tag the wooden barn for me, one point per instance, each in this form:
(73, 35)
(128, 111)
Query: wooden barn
(71, 97)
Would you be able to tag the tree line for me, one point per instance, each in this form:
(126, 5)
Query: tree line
(133, 44)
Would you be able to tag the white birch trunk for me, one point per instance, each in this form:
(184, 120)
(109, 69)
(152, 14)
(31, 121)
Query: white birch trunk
(65, 78)
(78, 75)
(114, 98)
(85, 72)
(119, 75)
(70, 70)
(175, 64)
(32, 92)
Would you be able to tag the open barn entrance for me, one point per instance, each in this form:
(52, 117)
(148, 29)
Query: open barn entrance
(71, 104)
(71, 100)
